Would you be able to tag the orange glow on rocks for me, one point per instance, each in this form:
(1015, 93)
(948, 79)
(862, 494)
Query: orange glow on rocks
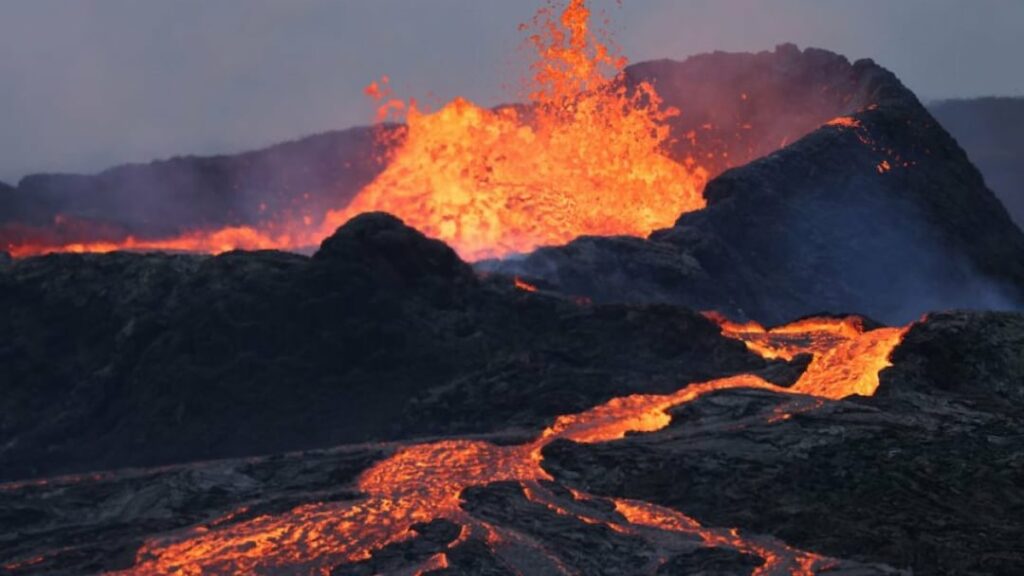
(215, 242)
(424, 482)
(844, 122)
(523, 285)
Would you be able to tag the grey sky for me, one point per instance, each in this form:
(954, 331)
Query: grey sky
(91, 83)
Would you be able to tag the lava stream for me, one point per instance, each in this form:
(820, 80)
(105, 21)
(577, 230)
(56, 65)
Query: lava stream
(424, 482)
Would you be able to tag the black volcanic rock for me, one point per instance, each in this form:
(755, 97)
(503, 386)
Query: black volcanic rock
(430, 538)
(926, 475)
(994, 344)
(132, 359)
(588, 548)
(711, 562)
(884, 215)
(396, 256)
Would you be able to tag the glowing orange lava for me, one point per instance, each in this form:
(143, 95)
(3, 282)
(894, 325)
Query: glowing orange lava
(424, 482)
(586, 156)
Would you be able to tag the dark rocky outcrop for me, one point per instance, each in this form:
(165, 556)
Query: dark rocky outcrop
(131, 359)
(924, 475)
(884, 215)
(711, 562)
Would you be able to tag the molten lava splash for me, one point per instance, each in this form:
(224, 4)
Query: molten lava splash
(424, 482)
(585, 156)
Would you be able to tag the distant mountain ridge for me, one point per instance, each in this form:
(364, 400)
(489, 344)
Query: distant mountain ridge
(167, 197)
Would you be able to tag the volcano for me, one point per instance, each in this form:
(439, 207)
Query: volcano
(874, 206)
(876, 210)
(692, 317)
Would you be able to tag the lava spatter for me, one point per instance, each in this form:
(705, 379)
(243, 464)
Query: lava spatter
(585, 155)
(424, 482)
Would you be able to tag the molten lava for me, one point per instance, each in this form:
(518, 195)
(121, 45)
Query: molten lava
(846, 358)
(424, 482)
(585, 156)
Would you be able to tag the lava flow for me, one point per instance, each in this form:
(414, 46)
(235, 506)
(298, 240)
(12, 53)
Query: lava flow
(425, 482)
(586, 155)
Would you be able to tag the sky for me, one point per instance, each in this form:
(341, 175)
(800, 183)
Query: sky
(87, 84)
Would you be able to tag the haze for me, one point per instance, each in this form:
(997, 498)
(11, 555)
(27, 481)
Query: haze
(93, 83)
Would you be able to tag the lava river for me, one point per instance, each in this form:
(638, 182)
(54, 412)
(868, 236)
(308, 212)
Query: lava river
(425, 482)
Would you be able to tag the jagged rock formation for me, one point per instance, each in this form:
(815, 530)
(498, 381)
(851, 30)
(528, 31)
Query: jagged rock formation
(924, 475)
(991, 130)
(880, 212)
(130, 359)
